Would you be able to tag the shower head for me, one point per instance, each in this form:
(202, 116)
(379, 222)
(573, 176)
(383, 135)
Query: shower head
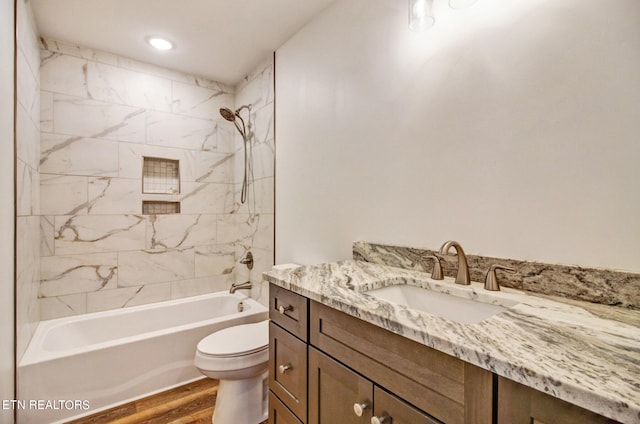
(228, 114)
(232, 116)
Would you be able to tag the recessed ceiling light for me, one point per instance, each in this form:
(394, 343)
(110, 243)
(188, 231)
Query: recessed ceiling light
(160, 43)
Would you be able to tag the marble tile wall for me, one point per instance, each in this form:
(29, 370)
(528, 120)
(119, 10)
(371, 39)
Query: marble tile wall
(100, 114)
(254, 220)
(28, 177)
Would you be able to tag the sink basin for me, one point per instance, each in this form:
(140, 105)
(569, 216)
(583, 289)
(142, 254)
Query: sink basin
(465, 311)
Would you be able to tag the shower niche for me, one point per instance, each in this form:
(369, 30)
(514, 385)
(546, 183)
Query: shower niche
(160, 176)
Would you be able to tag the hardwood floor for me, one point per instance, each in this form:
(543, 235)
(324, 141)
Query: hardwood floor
(189, 404)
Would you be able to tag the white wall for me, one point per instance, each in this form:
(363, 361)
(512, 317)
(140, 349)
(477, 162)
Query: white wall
(512, 127)
(7, 280)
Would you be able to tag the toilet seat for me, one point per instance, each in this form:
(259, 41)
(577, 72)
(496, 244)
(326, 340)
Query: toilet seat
(234, 352)
(239, 340)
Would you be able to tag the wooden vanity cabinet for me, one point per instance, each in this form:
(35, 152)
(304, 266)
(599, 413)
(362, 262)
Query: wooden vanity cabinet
(334, 360)
(519, 404)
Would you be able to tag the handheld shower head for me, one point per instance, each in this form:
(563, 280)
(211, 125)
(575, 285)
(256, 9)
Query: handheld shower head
(230, 115)
(227, 114)
(234, 116)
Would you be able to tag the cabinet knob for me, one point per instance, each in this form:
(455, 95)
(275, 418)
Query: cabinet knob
(284, 368)
(380, 420)
(358, 408)
(282, 309)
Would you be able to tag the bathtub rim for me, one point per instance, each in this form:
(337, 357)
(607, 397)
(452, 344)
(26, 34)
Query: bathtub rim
(36, 354)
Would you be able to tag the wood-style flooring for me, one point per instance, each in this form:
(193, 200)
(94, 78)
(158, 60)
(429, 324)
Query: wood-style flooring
(189, 404)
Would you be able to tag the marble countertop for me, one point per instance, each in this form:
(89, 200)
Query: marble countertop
(584, 355)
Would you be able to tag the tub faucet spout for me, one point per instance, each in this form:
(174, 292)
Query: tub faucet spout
(463, 270)
(240, 286)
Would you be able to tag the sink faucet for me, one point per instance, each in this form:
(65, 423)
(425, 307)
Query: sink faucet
(240, 286)
(463, 270)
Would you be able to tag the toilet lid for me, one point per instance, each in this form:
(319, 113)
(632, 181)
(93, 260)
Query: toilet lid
(237, 340)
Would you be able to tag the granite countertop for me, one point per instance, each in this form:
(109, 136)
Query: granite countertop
(584, 355)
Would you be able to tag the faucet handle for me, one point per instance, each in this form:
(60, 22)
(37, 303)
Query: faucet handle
(491, 280)
(436, 274)
(247, 260)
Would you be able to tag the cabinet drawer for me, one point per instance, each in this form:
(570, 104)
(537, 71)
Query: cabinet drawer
(397, 411)
(279, 413)
(289, 310)
(288, 370)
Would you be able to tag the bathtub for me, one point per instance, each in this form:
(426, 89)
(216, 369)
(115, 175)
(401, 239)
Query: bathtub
(79, 365)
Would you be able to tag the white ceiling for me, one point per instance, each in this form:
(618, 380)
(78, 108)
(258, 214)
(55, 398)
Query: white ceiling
(219, 39)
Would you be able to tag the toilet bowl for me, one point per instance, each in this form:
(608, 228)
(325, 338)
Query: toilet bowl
(238, 356)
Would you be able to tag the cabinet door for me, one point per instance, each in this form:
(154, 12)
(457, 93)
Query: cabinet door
(280, 414)
(518, 404)
(390, 409)
(334, 391)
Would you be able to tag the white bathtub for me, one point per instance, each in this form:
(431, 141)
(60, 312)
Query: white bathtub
(102, 359)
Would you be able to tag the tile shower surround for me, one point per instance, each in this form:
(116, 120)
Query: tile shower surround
(585, 284)
(100, 114)
(27, 175)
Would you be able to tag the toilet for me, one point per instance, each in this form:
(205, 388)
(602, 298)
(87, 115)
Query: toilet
(238, 356)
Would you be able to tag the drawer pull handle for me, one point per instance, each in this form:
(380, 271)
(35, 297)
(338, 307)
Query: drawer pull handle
(282, 309)
(358, 408)
(380, 420)
(284, 368)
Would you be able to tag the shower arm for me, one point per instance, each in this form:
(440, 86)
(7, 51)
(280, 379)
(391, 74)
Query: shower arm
(243, 107)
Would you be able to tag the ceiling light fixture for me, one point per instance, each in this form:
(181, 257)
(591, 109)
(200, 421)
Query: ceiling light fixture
(420, 15)
(160, 43)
